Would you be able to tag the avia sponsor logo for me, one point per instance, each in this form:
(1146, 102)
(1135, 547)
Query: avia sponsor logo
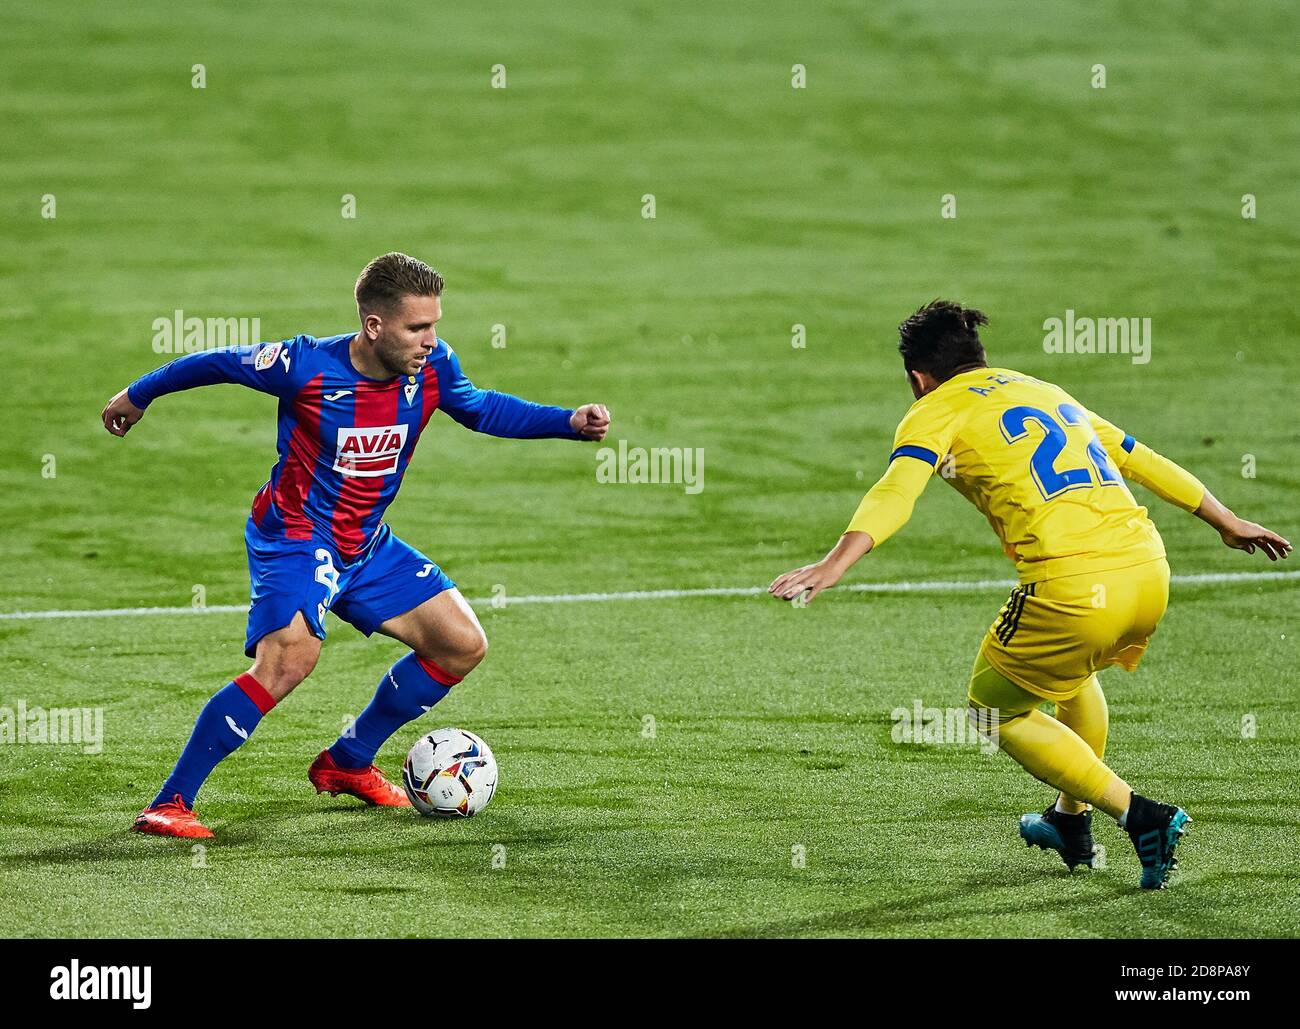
(368, 451)
(74, 981)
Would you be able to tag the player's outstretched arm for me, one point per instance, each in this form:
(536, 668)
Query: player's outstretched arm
(265, 367)
(883, 511)
(1176, 485)
(511, 417)
(812, 579)
(1239, 533)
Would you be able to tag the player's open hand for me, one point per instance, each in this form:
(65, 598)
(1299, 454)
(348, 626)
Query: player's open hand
(120, 414)
(1243, 535)
(591, 421)
(804, 582)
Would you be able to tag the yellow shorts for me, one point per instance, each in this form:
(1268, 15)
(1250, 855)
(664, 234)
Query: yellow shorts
(1050, 636)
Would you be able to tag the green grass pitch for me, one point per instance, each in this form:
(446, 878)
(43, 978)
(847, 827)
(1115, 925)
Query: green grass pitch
(774, 207)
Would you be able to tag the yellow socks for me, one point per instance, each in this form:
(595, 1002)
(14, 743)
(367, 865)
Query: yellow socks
(1048, 749)
(1086, 713)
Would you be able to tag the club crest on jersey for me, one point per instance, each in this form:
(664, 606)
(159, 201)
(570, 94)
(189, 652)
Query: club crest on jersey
(410, 388)
(368, 451)
(267, 355)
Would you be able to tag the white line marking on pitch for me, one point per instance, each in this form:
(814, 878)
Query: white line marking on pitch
(935, 586)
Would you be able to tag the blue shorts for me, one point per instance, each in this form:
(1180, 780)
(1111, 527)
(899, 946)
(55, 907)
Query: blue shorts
(386, 579)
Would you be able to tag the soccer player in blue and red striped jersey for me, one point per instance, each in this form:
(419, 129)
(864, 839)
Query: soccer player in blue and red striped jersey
(352, 408)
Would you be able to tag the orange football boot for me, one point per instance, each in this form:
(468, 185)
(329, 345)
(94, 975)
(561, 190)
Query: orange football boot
(367, 783)
(172, 818)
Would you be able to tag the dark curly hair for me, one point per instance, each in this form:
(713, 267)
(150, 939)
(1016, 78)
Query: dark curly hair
(941, 338)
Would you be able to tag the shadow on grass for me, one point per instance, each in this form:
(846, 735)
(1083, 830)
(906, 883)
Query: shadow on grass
(322, 832)
(362, 891)
(958, 903)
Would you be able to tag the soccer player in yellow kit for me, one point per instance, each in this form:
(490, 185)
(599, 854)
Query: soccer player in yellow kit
(1049, 476)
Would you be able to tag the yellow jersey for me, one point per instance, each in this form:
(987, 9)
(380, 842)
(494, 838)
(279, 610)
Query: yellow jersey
(1046, 472)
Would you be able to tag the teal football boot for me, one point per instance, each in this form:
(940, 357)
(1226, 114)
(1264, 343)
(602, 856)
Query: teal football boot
(1068, 835)
(1155, 830)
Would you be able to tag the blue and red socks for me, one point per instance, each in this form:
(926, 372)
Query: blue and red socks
(406, 691)
(225, 722)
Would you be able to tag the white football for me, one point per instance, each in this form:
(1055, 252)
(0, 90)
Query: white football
(450, 773)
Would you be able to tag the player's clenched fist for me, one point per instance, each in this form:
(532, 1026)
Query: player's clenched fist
(120, 414)
(591, 421)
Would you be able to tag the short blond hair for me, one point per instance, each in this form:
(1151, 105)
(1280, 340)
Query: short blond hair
(390, 277)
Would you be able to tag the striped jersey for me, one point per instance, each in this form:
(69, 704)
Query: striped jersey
(345, 440)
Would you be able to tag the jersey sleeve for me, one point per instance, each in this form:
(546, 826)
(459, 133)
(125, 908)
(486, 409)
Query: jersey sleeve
(925, 433)
(499, 414)
(267, 367)
(1118, 444)
(922, 438)
(888, 504)
(1139, 463)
